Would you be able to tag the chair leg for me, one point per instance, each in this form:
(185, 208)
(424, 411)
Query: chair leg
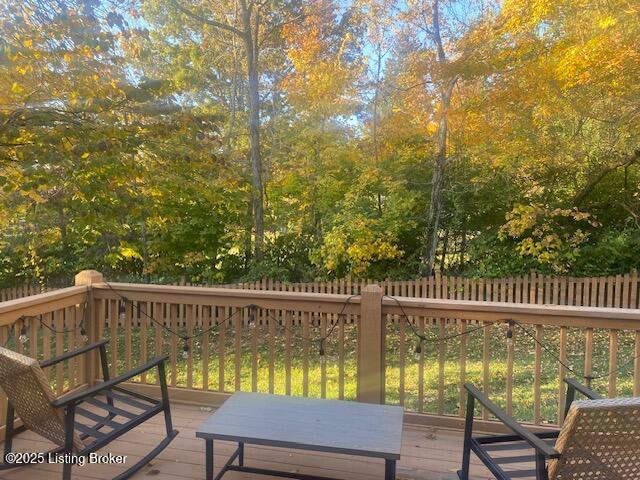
(69, 425)
(463, 473)
(147, 458)
(8, 439)
(165, 400)
(541, 468)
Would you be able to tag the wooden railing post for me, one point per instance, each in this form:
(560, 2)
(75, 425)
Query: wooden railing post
(371, 346)
(89, 277)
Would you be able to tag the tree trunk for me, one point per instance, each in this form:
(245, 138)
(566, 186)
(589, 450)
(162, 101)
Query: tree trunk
(254, 133)
(435, 205)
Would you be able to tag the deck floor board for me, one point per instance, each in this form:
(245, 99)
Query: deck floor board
(426, 455)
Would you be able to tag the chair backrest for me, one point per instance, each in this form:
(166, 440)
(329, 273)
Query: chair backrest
(29, 392)
(600, 440)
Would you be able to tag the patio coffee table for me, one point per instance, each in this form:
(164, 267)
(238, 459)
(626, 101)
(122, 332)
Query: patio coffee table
(334, 426)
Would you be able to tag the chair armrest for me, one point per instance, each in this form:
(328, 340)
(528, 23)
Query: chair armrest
(72, 353)
(91, 391)
(578, 387)
(537, 443)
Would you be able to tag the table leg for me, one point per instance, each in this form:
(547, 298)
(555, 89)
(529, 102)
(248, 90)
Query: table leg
(241, 454)
(209, 459)
(389, 470)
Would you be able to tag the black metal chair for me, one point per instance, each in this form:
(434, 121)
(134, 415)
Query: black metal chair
(496, 451)
(80, 422)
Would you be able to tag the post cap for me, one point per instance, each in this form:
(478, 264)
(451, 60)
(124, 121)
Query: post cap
(88, 277)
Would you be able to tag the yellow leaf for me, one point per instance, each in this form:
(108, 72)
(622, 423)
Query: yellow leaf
(85, 154)
(27, 43)
(17, 88)
(67, 57)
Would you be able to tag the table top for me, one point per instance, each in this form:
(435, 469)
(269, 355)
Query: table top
(350, 428)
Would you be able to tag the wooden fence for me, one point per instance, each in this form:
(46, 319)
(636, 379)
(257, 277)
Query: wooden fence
(619, 291)
(335, 345)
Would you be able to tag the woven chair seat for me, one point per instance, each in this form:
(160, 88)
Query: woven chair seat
(28, 390)
(600, 440)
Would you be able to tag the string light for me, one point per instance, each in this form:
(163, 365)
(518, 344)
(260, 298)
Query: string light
(251, 320)
(185, 348)
(122, 311)
(83, 335)
(418, 349)
(510, 334)
(24, 336)
(321, 352)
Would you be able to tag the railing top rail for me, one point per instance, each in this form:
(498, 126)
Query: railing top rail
(41, 303)
(230, 297)
(560, 315)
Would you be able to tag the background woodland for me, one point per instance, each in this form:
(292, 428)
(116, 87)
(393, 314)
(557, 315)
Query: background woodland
(228, 140)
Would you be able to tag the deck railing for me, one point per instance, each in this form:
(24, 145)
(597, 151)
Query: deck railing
(334, 345)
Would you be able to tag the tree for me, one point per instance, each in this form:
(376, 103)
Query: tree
(249, 24)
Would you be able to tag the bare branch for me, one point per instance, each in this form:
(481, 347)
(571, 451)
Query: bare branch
(209, 21)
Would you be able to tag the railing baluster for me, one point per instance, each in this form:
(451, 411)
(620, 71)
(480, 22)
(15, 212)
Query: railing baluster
(16, 335)
(340, 320)
(220, 318)
(189, 313)
(58, 320)
(239, 321)
(113, 340)
(462, 397)
(323, 364)
(636, 367)
(537, 375)
(33, 337)
(403, 353)
(158, 315)
(288, 326)
(173, 350)
(486, 372)
(46, 341)
(510, 358)
(562, 374)
(205, 318)
(272, 348)
(70, 316)
(421, 369)
(588, 352)
(145, 308)
(254, 351)
(130, 316)
(305, 353)
(441, 363)
(613, 362)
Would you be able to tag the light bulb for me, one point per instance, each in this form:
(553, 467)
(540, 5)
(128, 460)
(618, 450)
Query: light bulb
(251, 323)
(24, 336)
(419, 347)
(122, 311)
(185, 349)
(83, 335)
(323, 356)
(510, 336)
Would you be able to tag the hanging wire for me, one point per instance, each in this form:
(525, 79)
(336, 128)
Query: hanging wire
(186, 338)
(423, 338)
(23, 338)
(570, 369)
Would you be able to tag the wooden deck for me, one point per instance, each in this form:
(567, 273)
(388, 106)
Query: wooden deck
(426, 455)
